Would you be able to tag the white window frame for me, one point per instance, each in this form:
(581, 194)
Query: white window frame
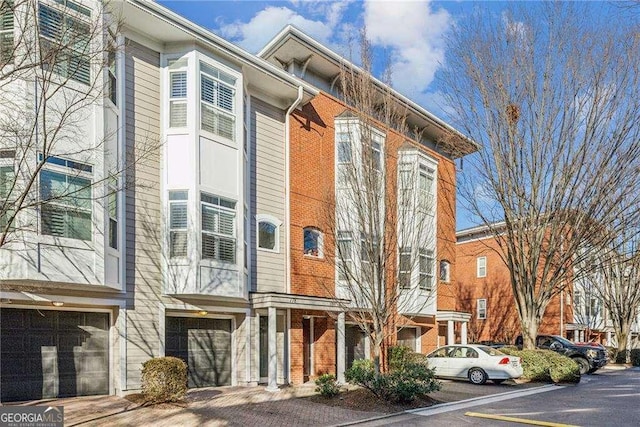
(481, 266)
(178, 66)
(270, 219)
(344, 262)
(220, 79)
(7, 161)
(405, 275)
(219, 235)
(112, 214)
(445, 271)
(319, 242)
(427, 274)
(481, 308)
(185, 229)
(70, 169)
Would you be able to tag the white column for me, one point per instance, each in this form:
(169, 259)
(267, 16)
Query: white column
(609, 338)
(273, 352)
(340, 350)
(463, 333)
(450, 335)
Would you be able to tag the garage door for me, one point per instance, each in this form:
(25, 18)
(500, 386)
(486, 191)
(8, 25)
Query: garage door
(205, 345)
(47, 354)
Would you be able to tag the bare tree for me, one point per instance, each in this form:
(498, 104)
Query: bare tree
(552, 93)
(57, 79)
(381, 215)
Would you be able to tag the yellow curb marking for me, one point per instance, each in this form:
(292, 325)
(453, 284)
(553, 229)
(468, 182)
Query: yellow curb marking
(516, 420)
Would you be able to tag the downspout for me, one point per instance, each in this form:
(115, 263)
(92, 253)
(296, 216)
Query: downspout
(287, 188)
(287, 218)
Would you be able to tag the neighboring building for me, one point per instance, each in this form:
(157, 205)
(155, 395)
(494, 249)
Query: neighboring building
(484, 289)
(316, 326)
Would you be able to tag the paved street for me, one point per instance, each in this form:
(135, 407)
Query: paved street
(607, 398)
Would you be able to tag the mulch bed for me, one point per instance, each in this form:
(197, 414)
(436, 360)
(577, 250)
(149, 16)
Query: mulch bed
(360, 399)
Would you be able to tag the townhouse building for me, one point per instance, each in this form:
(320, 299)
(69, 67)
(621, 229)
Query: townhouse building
(484, 290)
(206, 245)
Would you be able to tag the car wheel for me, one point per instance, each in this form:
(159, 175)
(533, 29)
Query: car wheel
(498, 381)
(583, 364)
(477, 376)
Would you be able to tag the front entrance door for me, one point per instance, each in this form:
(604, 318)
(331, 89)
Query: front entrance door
(354, 343)
(307, 333)
(264, 349)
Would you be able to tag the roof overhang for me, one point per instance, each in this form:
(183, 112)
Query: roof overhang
(292, 45)
(164, 27)
(456, 316)
(300, 302)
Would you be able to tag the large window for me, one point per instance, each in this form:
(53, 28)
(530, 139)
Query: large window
(312, 242)
(481, 308)
(344, 255)
(481, 264)
(218, 228)
(178, 222)
(65, 192)
(111, 69)
(7, 183)
(404, 268)
(369, 253)
(217, 106)
(112, 208)
(343, 147)
(426, 269)
(65, 40)
(177, 94)
(425, 185)
(6, 31)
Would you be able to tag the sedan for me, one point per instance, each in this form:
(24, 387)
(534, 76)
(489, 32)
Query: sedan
(477, 363)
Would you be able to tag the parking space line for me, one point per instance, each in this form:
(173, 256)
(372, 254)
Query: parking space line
(516, 420)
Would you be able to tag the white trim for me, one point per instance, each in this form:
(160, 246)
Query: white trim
(273, 221)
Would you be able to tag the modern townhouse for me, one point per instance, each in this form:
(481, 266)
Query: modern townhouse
(484, 290)
(205, 244)
(322, 337)
(93, 289)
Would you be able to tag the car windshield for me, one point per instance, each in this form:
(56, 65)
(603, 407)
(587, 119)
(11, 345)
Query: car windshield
(490, 351)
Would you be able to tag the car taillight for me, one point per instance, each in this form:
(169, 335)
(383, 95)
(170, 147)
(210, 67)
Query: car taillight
(504, 361)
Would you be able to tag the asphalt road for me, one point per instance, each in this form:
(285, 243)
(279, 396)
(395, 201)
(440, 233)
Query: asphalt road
(607, 398)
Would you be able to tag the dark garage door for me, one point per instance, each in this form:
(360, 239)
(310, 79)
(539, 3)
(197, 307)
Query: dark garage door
(47, 354)
(205, 345)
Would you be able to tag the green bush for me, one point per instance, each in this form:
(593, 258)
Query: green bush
(621, 356)
(409, 376)
(164, 379)
(327, 385)
(545, 366)
(635, 357)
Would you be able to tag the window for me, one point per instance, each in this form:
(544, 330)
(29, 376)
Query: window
(111, 69)
(374, 151)
(112, 208)
(481, 305)
(178, 221)
(177, 94)
(65, 193)
(481, 264)
(6, 32)
(218, 228)
(267, 235)
(345, 255)
(369, 252)
(217, 106)
(7, 182)
(312, 242)
(404, 268)
(426, 269)
(406, 337)
(425, 185)
(444, 271)
(343, 144)
(65, 40)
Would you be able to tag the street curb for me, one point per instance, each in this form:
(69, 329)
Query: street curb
(445, 405)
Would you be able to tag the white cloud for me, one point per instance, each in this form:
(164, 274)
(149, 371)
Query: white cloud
(253, 35)
(414, 32)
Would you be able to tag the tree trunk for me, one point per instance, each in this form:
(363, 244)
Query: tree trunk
(530, 324)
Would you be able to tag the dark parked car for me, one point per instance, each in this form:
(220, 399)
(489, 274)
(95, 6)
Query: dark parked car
(589, 358)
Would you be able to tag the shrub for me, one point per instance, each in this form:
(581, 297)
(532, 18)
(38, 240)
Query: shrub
(545, 366)
(635, 357)
(164, 379)
(621, 356)
(327, 385)
(409, 376)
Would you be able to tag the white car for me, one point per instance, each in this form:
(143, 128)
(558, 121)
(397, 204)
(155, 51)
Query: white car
(478, 363)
